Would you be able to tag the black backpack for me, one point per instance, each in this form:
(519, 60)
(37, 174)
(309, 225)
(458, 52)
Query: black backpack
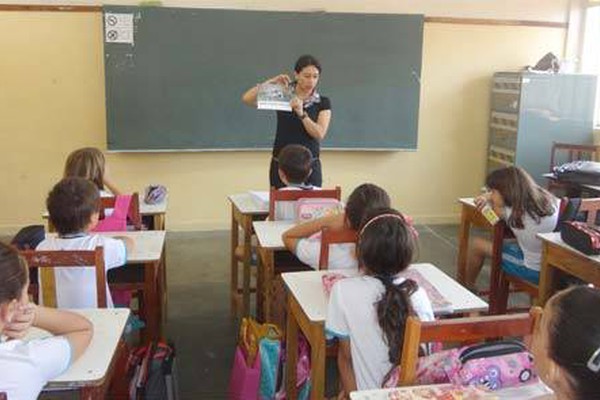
(151, 372)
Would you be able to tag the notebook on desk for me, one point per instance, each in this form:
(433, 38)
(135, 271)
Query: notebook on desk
(261, 197)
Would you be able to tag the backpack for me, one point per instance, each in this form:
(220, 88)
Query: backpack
(29, 237)
(151, 372)
(582, 172)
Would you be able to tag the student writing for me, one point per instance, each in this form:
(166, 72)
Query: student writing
(305, 242)
(73, 205)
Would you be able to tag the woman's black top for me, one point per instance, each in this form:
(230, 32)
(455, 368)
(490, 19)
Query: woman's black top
(291, 131)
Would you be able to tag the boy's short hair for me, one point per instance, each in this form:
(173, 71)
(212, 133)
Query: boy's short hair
(295, 161)
(71, 204)
(364, 198)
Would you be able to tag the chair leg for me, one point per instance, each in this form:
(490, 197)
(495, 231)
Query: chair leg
(501, 303)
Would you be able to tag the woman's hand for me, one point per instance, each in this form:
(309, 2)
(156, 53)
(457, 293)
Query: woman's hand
(297, 106)
(281, 79)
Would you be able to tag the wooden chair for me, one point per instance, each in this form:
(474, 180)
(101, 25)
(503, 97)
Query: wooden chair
(563, 153)
(294, 195)
(45, 261)
(590, 207)
(133, 215)
(461, 330)
(329, 237)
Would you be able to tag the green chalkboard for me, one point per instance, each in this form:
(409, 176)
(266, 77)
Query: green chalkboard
(178, 85)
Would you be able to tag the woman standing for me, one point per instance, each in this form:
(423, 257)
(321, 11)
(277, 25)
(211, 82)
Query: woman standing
(308, 121)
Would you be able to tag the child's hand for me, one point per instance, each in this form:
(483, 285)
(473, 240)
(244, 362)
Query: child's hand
(481, 201)
(21, 321)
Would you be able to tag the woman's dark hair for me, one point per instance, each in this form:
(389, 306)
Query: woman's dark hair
(385, 248)
(295, 161)
(522, 194)
(364, 198)
(306, 61)
(13, 273)
(71, 204)
(574, 336)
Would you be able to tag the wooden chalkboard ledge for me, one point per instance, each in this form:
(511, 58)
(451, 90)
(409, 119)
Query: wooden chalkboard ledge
(436, 20)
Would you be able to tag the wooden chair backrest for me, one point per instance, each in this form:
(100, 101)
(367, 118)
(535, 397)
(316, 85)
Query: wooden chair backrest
(133, 215)
(460, 330)
(294, 195)
(329, 237)
(590, 206)
(45, 261)
(573, 152)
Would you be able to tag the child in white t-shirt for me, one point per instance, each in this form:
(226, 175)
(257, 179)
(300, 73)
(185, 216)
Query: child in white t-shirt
(26, 366)
(528, 210)
(304, 240)
(73, 205)
(294, 167)
(367, 313)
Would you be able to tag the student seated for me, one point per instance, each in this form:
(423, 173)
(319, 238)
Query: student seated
(304, 240)
(368, 313)
(73, 205)
(28, 365)
(295, 166)
(566, 344)
(528, 209)
(89, 163)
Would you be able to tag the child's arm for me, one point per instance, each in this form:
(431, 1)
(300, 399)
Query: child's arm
(77, 329)
(291, 236)
(345, 368)
(108, 183)
(129, 242)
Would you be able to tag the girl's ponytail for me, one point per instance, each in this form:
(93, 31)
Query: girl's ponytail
(393, 309)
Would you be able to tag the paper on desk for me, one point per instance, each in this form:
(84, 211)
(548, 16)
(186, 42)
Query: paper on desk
(439, 303)
(260, 196)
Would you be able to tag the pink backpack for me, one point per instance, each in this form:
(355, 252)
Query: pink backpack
(494, 365)
(117, 221)
(308, 209)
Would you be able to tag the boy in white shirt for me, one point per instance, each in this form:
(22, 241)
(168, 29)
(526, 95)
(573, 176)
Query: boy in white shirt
(304, 240)
(73, 205)
(295, 166)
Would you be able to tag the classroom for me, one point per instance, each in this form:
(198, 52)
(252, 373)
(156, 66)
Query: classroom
(53, 100)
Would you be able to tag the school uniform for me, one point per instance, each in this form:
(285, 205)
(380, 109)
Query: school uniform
(524, 257)
(76, 287)
(341, 255)
(352, 315)
(28, 365)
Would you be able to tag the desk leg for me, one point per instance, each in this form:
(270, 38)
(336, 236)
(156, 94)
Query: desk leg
(246, 265)
(291, 350)
(151, 274)
(463, 245)
(547, 276)
(317, 359)
(264, 285)
(498, 294)
(158, 222)
(234, 262)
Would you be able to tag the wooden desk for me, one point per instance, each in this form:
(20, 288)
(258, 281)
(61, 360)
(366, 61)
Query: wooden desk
(556, 254)
(307, 311)
(269, 238)
(525, 392)
(158, 212)
(148, 251)
(92, 372)
(470, 216)
(245, 209)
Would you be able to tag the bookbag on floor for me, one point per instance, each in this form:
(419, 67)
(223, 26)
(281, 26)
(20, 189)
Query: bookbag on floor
(152, 372)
